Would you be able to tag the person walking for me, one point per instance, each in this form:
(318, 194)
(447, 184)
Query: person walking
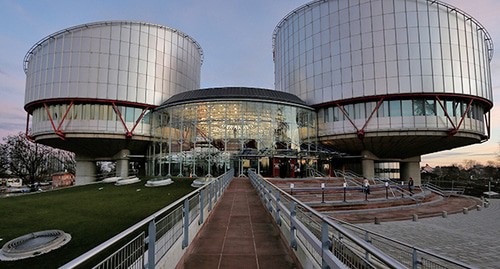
(410, 185)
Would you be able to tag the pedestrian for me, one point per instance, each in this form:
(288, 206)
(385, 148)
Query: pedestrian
(366, 185)
(410, 185)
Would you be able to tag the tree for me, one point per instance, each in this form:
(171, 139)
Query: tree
(31, 161)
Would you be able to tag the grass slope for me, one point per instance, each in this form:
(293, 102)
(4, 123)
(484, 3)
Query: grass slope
(90, 215)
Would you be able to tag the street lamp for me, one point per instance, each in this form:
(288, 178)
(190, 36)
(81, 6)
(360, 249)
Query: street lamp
(386, 190)
(322, 192)
(345, 187)
(366, 191)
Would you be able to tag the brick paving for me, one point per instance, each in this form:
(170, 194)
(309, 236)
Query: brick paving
(473, 238)
(239, 234)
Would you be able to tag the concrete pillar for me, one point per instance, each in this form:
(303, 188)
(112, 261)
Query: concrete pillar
(368, 164)
(122, 161)
(85, 170)
(410, 168)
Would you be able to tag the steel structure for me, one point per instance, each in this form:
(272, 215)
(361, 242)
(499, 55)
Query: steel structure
(208, 131)
(390, 80)
(90, 88)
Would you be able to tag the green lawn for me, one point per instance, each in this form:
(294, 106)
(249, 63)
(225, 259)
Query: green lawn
(89, 214)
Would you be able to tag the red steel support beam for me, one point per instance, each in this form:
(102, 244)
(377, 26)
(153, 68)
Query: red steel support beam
(129, 133)
(117, 111)
(361, 133)
(454, 131)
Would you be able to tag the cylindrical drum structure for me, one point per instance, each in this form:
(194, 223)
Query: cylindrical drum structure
(90, 88)
(397, 78)
(98, 81)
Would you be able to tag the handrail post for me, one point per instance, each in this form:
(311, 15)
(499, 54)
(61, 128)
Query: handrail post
(278, 213)
(293, 229)
(369, 240)
(210, 196)
(270, 201)
(326, 243)
(185, 210)
(151, 244)
(200, 199)
(414, 259)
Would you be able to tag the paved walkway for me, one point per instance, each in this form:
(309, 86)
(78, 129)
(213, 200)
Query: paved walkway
(472, 238)
(239, 234)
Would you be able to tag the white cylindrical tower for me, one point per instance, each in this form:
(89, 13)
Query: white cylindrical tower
(90, 88)
(397, 78)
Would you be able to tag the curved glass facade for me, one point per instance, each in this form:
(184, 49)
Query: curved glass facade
(337, 50)
(206, 137)
(91, 118)
(408, 114)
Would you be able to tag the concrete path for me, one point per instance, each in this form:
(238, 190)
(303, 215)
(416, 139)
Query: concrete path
(239, 234)
(473, 238)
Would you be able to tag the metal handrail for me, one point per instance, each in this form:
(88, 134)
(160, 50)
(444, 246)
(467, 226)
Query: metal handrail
(366, 244)
(386, 259)
(430, 253)
(79, 261)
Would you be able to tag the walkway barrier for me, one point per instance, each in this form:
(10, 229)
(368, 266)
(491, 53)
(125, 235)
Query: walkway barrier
(318, 241)
(162, 237)
(321, 242)
(411, 256)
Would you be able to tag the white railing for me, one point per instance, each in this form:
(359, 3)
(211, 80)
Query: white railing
(161, 237)
(322, 242)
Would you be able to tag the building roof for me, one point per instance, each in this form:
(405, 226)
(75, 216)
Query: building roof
(233, 93)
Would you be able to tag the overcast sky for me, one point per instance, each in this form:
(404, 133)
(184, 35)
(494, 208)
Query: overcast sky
(235, 36)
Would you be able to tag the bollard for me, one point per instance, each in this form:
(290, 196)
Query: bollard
(444, 214)
(486, 205)
(478, 207)
(415, 217)
(377, 220)
(465, 210)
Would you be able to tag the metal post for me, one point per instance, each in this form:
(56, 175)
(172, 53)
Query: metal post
(293, 229)
(200, 220)
(414, 259)
(278, 202)
(322, 192)
(185, 241)
(326, 243)
(210, 195)
(369, 240)
(387, 190)
(291, 188)
(151, 244)
(345, 188)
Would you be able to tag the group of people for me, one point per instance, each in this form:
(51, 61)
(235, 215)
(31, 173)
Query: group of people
(366, 185)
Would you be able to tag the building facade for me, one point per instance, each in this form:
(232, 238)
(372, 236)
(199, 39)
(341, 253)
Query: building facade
(390, 80)
(367, 85)
(90, 88)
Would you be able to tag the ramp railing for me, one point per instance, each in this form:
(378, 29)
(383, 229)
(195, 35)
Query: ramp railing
(322, 242)
(161, 239)
(317, 241)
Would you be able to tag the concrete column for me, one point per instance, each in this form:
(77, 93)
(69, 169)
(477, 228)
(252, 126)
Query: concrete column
(411, 168)
(368, 164)
(85, 170)
(122, 161)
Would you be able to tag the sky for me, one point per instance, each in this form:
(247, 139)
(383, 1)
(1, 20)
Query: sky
(235, 35)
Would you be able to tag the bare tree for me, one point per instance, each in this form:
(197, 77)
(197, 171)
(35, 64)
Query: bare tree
(31, 161)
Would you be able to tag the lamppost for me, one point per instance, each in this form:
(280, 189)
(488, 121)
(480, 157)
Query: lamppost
(386, 190)
(345, 187)
(322, 192)
(366, 191)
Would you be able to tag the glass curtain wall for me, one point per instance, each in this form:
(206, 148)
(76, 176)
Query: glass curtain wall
(208, 138)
